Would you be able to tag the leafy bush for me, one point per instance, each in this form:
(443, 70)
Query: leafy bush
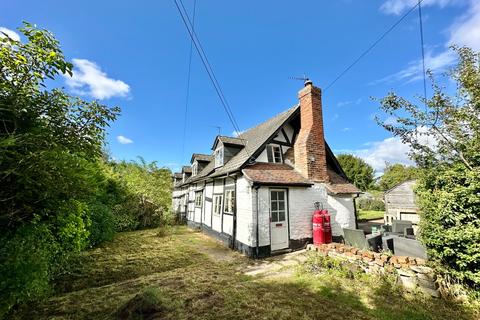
(59, 195)
(25, 260)
(449, 185)
(450, 224)
(371, 204)
(102, 227)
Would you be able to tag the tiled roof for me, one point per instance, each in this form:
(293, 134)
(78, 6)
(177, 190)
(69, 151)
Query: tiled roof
(178, 175)
(230, 140)
(275, 174)
(254, 138)
(202, 157)
(187, 169)
(339, 185)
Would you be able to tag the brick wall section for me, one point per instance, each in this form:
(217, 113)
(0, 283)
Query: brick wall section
(310, 153)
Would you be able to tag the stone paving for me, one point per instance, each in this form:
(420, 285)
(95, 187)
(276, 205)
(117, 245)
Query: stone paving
(277, 266)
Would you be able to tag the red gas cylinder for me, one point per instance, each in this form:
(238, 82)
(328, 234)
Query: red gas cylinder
(322, 230)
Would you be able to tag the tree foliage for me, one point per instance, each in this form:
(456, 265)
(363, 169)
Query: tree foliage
(395, 174)
(58, 194)
(444, 136)
(359, 172)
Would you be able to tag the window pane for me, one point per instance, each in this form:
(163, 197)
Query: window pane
(281, 196)
(281, 216)
(274, 206)
(274, 195)
(281, 205)
(274, 216)
(269, 154)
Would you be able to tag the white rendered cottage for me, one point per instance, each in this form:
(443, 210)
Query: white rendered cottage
(256, 192)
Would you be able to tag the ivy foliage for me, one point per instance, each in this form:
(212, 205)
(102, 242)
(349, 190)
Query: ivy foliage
(444, 135)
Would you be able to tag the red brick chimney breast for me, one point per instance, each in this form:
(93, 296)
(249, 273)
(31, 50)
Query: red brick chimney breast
(309, 148)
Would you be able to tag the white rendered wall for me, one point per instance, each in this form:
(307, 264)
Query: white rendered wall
(301, 207)
(217, 219)
(263, 216)
(344, 215)
(198, 210)
(245, 206)
(208, 204)
(228, 218)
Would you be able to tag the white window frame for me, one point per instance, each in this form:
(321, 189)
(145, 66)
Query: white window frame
(273, 148)
(198, 199)
(219, 155)
(194, 168)
(229, 202)
(217, 204)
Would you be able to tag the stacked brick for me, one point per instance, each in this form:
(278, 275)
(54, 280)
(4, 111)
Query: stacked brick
(412, 272)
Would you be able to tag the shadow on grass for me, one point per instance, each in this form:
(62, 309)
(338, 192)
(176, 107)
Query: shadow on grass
(190, 285)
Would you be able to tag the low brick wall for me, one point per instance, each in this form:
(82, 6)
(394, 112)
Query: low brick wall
(412, 272)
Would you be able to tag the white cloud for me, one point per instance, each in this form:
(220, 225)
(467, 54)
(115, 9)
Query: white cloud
(465, 31)
(124, 140)
(89, 79)
(414, 71)
(345, 129)
(391, 120)
(397, 7)
(10, 33)
(236, 133)
(349, 102)
(391, 150)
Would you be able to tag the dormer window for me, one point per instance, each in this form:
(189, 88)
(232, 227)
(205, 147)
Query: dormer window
(274, 154)
(195, 168)
(219, 157)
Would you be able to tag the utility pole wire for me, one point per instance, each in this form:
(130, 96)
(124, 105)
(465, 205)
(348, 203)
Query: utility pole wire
(207, 66)
(188, 83)
(229, 110)
(423, 51)
(373, 45)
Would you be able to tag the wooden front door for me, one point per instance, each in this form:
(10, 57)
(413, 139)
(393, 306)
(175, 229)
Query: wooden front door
(278, 219)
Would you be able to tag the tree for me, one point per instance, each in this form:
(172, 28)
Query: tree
(358, 171)
(444, 135)
(50, 175)
(40, 127)
(395, 174)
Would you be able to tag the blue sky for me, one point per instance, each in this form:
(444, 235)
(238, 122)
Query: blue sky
(135, 55)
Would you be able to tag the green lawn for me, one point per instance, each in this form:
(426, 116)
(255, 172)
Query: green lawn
(186, 275)
(370, 214)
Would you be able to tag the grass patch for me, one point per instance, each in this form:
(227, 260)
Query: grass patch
(186, 275)
(370, 214)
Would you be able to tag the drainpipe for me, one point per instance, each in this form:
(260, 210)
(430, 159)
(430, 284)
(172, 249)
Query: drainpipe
(256, 216)
(355, 209)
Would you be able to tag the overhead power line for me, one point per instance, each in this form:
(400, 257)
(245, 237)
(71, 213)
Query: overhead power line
(208, 68)
(188, 83)
(423, 51)
(373, 45)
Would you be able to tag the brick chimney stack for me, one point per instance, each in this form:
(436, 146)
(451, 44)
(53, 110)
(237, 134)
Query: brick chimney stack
(310, 151)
